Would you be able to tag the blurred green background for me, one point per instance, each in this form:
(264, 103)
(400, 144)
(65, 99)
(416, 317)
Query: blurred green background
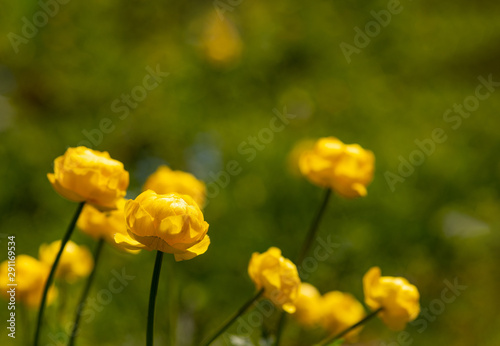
(228, 70)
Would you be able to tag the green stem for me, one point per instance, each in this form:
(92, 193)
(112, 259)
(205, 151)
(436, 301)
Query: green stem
(240, 312)
(85, 293)
(306, 245)
(152, 298)
(347, 330)
(64, 241)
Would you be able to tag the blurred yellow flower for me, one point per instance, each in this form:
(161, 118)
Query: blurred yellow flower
(171, 223)
(277, 275)
(165, 181)
(398, 298)
(221, 41)
(30, 277)
(340, 311)
(347, 169)
(298, 149)
(83, 174)
(104, 224)
(308, 305)
(76, 261)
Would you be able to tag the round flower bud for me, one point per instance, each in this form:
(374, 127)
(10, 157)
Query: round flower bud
(395, 295)
(86, 175)
(165, 181)
(277, 275)
(170, 223)
(347, 169)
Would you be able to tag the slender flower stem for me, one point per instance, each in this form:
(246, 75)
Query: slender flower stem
(347, 330)
(240, 312)
(152, 298)
(64, 241)
(85, 293)
(306, 245)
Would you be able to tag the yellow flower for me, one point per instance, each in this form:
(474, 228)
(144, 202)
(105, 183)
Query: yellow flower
(164, 181)
(308, 305)
(76, 261)
(30, 277)
(347, 169)
(104, 224)
(277, 275)
(170, 223)
(398, 298)
(221, 41)
(340, 311)
(83, 174)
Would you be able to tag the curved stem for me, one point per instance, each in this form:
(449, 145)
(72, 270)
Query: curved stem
(85, 293)
(347, 330)
(313, 228)
(240, 312)
(64, 241)
(152, 298)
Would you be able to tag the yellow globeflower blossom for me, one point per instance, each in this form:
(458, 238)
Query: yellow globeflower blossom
(104, 224)
(30, 277)
(308, 305)
(165, 181)
(340, 311)
(395, 295)
(170, 223)
(76, 261)
(277, 275)
(83, 174)
(221, 41)
(347, 169)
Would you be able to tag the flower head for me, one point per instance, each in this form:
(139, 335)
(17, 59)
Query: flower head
(165, 180)
(398, 298)
(76, 261)
(30, 277)
(340, 311)
(308, 305)
(171, 223)
(347, 169)
(83, 174)
(277, 275)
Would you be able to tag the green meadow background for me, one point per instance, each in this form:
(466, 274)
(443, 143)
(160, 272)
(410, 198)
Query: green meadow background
(435, 222)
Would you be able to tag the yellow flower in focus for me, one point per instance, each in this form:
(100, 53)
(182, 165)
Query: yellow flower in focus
(76, 261)
(398, 298)
(83, 174)
(347, 169)
(221, 41)
(308, 305)
(340, 311)
(104, 224)
(277, 275)
(165, 181)
(30, 277)
(170, 223)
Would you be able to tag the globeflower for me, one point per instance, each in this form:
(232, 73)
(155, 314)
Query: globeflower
(278, 277)
(170, 223)
(398, 298)
(76, 261)
(165, 180)
(86, 175)
(347, 169)
(340, 311)
(308, 305)
(30, 277)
